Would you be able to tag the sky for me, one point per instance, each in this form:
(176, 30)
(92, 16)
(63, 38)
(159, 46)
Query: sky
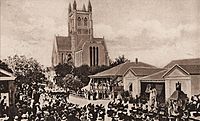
(154, 31)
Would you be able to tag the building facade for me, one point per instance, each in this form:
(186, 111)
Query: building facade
(187, 75)
(80, 46)
(184, 71)
(7, 87)
(124, 77)
(138, 77)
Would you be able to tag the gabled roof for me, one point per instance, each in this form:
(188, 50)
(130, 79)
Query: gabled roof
(194, 61)
(187, 69)
(5, 75)
(145, 71)
(119, 70)
(63, 43)
(191, 69)
(155, 76)
(110, 72)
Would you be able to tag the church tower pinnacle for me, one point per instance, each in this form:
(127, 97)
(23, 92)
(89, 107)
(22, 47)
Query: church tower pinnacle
(89, 6)
(74, 5)
(84, 9)
(70, 8)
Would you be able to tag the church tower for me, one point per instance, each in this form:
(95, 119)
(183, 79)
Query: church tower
(80, 24)
(80, 47)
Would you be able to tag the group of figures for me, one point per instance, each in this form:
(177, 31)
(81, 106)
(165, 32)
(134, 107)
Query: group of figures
(93, 95)
(3, 106)
(37, 104)
(137, 110)
(34, 103)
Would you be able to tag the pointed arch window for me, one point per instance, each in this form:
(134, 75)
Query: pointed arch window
(94, 56)
(79, 21)
(85, 21)
(97, 56)
(62, 58)
(90, 56)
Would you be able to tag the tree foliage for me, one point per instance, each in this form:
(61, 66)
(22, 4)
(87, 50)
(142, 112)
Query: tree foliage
(27, 70)
(82, 72)
(69, 82)
(119, 60)
(63, 69)
(4, 66)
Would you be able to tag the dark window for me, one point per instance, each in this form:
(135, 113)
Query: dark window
(90, 56)
(79, 21)
(4, 87)
(79, 31)
(85, 31)
(62, 58)
(94, 63)
(85, 22)
(97, 49)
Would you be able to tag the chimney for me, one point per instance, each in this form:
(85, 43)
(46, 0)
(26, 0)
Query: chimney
(136, 60)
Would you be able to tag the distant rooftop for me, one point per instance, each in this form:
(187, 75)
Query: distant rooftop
(191, 69)
(139, 68)
(193, 61)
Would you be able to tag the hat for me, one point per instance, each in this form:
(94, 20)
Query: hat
(64, 118)
(16, 117)
(90, 115)
(120, 111)
(116, 116)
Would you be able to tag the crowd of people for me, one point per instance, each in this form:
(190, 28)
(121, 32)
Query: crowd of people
(57, 108)
(33, 103)
(124, 110)
(37, 104)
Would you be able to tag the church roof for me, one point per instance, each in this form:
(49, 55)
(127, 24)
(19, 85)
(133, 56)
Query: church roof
(63, 43)
(119, 70)
(193, 61)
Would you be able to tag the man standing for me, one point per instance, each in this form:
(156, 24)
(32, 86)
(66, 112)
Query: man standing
(2, 106)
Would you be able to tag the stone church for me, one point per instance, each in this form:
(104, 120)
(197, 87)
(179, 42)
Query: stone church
(80, 46)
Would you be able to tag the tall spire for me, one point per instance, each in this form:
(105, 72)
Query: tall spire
(70, 8)
(89, 6)
(84, 9)
(74, 5)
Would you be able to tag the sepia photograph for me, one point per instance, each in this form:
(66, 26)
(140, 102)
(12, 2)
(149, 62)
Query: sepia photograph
(100, 60)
